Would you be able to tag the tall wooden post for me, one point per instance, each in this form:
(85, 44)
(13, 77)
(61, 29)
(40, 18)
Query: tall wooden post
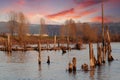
(99, 55)
(54, 41)
(91, 55)
(39, 55)
(8, 43)
(25, 46)
(74, 61)
(68, 42)
(93, 61)
(110, 58)
(103, 34)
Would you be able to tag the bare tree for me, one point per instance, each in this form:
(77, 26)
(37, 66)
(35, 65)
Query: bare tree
(22, 26)
(42, 26)
(88, 33)
(12, 22)
(69, 29)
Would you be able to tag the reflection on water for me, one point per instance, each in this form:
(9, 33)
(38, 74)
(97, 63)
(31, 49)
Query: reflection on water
(92, 73)
(12, 57)
(24, 66)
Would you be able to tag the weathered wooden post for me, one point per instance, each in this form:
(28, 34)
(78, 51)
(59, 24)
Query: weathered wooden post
(54, 41)
(48, 60)
(99, 55)
(25, 46)
(39, 54)
(110, 58)
(84, 67)
(58, 43)
(47, 45)
(91, 55)
(68, 42)
(70, 67)
(74, 63)
(103, 35)
(8, 43)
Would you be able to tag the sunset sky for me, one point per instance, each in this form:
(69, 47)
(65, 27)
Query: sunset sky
(57, 11)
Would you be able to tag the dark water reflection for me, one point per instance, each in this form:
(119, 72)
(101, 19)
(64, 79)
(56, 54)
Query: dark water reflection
(24, 66)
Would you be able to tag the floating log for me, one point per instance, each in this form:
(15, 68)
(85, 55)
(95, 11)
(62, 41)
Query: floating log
(78, 46)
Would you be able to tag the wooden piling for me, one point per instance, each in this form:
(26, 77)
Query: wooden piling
(74, 63)
(48, 60)
(54, 41)
(25, 49)
(8, 43)
(110, 58)
(99, 55)
(84, 67)
(68, 43)
(39, 55)
(103, 34)
(91, 56)
(70, 67)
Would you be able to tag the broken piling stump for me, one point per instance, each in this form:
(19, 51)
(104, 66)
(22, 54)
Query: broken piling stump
(74, 63)
(48, 60)
(39, 53)
(70, 67)
(84, 67)
(99, 55)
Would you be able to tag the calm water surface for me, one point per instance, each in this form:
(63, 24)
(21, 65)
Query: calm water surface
(24, 66)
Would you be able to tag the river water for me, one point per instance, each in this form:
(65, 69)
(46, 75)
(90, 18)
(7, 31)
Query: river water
(24, 65)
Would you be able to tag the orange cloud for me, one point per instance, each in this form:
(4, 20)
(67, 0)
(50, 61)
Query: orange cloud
(99, 19)
(63, 13)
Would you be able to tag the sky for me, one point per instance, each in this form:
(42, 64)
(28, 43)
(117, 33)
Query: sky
(58, 11)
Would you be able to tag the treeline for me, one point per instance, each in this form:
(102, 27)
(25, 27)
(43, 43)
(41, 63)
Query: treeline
(85, 32)
(79, 31)
(18, 25)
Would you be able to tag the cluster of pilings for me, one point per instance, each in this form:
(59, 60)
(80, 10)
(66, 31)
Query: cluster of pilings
(72, 66)
(103, 53)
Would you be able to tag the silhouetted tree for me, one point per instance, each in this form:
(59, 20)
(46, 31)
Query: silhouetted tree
(69, 29)
(88, 33)
(42, 26)
(12, 22)
(22, 26)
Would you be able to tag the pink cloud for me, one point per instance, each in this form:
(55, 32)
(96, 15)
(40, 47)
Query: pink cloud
(21, 2)
(62, 13)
